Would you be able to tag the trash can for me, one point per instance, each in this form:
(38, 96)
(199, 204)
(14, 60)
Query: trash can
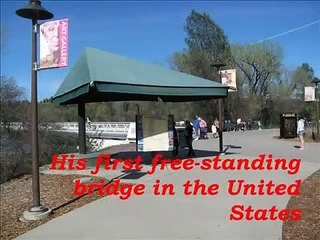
(182, 139)
(288, 125)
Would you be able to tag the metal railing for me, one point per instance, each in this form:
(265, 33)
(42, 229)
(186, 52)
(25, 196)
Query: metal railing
(109, 130)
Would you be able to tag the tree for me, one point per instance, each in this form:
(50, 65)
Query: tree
(46, 100)
(284, 86)
(206, 44)
(10, 95)
(302, 76)
(10, 91)
(281, 95)
(15, 158)
(259, 65)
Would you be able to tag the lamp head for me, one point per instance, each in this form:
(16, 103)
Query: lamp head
(218, 65)
(34, 11)
(316, 80)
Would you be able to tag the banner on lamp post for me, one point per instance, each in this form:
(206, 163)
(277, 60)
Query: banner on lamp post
(228, 78)
(309, 94)
(54, 44)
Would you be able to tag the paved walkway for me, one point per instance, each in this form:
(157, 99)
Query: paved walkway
(184, 217)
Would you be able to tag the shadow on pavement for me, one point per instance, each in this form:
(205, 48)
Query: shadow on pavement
(85, 194)
(147, 160)
(148, 156)
(132, 174)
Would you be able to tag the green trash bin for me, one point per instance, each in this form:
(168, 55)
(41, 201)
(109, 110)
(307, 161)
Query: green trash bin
(181, 132)
(288, 125)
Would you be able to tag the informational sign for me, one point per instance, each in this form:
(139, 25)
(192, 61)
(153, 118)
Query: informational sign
(289, 115)
(228, 78)
(54, 44)
(309, 94)
(154, 133)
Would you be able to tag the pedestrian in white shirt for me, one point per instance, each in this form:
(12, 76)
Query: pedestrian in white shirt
(300, 131)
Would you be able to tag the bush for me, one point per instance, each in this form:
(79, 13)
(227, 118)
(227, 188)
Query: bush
(56, 143)
(16, 159)
(14, 165)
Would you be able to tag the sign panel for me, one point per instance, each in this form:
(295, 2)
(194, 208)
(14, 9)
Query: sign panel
(228, 78)
(289, 115)
(154, 133)
(54, 44)
(309, 94)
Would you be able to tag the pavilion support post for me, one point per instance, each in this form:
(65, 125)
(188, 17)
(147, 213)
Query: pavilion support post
(221, 123)
(82, 127)
(219, 65)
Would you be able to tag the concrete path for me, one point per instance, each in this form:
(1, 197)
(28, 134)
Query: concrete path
(189, 217)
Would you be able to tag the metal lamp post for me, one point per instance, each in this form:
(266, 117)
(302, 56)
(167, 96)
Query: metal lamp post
(35, 12)
(219, 66)
(316, 81)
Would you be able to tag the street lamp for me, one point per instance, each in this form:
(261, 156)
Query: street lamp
(220, 132)
(35, 12)
(316, 81)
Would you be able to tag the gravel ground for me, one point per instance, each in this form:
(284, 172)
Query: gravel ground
(308, 228)
(56, 193)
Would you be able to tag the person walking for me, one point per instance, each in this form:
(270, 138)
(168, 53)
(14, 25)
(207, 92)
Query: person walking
(189, 138)
(259, 125)
(203, 128)
(214, 131)
(88, 122)
(238, 124)
(300, 131)
(196, 126)
(216, 123)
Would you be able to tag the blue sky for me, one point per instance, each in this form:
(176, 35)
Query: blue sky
(152, 31)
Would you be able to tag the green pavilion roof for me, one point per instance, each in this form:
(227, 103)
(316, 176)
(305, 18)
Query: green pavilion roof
(100, 76)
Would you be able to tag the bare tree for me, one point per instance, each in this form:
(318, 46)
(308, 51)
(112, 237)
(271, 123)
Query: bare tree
(10, 95)
(259, 65)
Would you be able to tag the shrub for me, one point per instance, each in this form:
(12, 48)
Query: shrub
(15, 158)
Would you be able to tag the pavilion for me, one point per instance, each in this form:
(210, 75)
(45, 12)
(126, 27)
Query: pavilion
(100, 76)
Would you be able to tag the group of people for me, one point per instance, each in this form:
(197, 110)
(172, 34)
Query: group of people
(197, 127)
(200, 128)
(241, 125)
(247, 125)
